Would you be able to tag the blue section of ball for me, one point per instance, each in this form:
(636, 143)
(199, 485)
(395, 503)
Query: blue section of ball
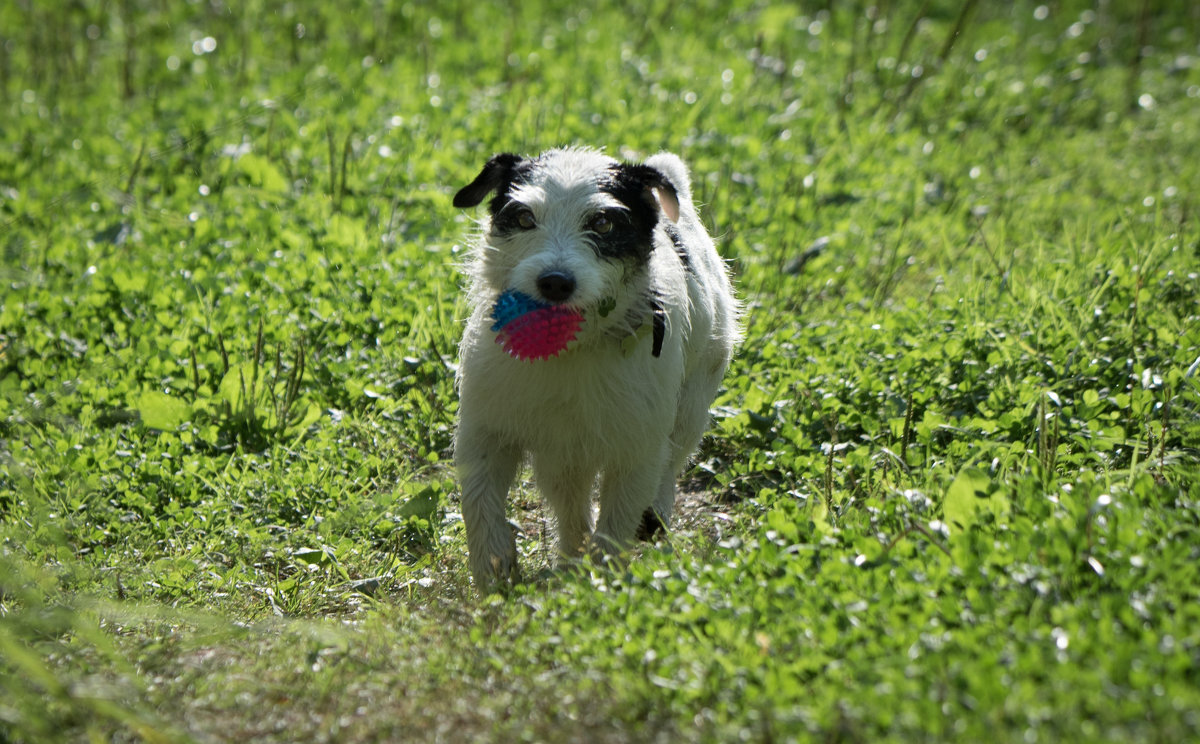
(512, 305)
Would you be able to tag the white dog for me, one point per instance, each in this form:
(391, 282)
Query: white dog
(625, 322)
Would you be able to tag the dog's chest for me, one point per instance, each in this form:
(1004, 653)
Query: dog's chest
(583, 402)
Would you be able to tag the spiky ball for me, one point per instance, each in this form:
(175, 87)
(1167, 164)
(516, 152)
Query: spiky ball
(529, 329)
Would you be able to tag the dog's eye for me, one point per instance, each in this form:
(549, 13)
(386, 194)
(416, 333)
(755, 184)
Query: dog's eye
(601, 224)
(525, 220)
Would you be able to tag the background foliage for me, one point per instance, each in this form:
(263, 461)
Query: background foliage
(951, 488)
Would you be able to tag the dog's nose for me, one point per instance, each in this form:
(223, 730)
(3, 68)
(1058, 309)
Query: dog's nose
(556, 286)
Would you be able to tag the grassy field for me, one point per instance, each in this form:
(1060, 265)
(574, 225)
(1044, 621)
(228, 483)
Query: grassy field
(952, 487)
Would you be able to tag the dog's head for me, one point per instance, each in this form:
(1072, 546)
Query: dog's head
(569, 227)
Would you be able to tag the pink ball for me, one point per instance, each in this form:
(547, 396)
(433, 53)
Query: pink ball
(541, 333)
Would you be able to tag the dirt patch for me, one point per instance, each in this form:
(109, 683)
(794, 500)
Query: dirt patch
(700, 521)
(701, 516)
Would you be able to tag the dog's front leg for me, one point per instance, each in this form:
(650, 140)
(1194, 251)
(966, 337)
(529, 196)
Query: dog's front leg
(626, 492)
(486, 470)
(567, 487)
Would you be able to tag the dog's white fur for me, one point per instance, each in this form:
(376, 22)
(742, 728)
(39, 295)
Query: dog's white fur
(607, 405)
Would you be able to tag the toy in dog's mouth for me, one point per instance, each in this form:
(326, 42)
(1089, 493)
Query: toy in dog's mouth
(529, 329)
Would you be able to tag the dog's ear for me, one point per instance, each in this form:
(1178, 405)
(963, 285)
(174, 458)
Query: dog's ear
(668, 199)
(660, 188)
(497, 171)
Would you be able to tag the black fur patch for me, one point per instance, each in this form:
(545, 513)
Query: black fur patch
(497, 175)
(677, 242)
(518, 174)
(633, 233)
(660, 329)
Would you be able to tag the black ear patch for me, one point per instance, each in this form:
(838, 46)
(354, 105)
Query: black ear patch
(657, 189)
(646, 194)
(499, 171)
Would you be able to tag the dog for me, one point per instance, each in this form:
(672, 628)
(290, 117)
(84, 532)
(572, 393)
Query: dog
(621, 320)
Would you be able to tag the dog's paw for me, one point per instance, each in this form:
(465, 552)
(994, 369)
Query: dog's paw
(498, 576)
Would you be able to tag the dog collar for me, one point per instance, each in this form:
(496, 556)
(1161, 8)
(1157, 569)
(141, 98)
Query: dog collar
(657, 329)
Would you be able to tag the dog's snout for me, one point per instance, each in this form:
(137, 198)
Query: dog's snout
(556, 286)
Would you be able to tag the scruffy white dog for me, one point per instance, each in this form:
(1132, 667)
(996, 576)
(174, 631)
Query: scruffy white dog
(602, 320)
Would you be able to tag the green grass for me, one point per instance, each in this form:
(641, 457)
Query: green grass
(951, 489)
